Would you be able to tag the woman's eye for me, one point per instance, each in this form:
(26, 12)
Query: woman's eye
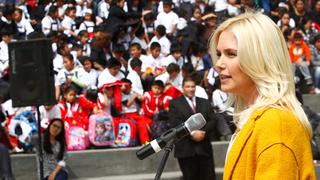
(232, 54)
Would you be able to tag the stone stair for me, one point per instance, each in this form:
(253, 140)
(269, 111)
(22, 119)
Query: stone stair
(113, 164)
(122, 164)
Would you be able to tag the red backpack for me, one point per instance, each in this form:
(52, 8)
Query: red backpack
(127, 132)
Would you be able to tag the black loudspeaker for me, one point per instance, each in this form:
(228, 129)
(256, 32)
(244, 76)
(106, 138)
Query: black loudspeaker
(31, 73)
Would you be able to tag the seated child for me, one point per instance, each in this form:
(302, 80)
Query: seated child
(92, 73)
(72, 74)
(110, 74)
(109, 98)
(155, 60)
(75, 110)
(130, 109)
(135, 76)
(155, 100)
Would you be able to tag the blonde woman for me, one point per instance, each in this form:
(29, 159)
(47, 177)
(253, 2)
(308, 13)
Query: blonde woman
(272, 140)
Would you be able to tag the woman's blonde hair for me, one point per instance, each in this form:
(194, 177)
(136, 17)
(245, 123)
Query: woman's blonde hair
(264, 57)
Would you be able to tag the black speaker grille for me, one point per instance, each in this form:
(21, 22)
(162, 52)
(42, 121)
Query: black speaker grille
(31, 73)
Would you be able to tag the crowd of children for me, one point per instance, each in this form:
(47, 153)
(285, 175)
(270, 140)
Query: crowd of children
(118, 63)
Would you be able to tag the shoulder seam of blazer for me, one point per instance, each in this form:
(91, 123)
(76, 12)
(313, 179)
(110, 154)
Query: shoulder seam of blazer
(278, 143)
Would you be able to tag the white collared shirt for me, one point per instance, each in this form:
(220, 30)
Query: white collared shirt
(176, 82)
(136, 85)
(191, 101)
(105, 77)
(169, 20)
(201, 92)
(164, 43)
(48, 24)
(87, 25)
(24, 26)
(68, 25)
(79, 73)
(143, 58)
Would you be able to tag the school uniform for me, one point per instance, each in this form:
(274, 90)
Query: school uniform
(48, 25)
(136, 85)
(69, 25)
(77, 113)
(142, 122)
(169, 20)
(105, 77)
(153, 63)
(23, 29)
(176, 82)
(142, 43)
(143, 58)
(164, 43)
(93, 78)
(78, 75)
(103, 9)
(198, 65)
(153, 103)
(58, 63)
(88, 26)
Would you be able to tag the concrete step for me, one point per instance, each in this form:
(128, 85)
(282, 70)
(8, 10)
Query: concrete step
(313, 101)
(176, 175)
(108, 162)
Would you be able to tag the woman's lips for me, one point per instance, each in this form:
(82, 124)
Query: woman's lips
(223, 77)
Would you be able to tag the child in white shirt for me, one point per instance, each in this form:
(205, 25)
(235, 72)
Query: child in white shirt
(92, 73)
(68, 23)
(6, 36)
(110, 74)
(88, 23)
(160, 37)
(168, 18)
(134, 76)
(72, 74)
(154, 59)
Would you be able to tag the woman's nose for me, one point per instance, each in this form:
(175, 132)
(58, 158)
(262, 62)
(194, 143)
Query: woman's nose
(219, 65)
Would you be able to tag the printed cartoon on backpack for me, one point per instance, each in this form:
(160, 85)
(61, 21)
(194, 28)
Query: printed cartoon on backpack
(101, 130)
(76, 138)
(127, 133)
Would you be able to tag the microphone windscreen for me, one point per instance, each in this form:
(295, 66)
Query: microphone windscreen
(195, 122)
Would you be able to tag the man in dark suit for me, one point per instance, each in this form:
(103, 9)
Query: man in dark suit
(194, 153)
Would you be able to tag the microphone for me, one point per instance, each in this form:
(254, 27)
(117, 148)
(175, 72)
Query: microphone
(194, 122)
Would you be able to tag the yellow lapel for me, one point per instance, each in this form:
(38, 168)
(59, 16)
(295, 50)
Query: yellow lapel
(239, 144)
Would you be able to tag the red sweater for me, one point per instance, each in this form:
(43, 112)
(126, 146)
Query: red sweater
(153, 103)
(77, 114)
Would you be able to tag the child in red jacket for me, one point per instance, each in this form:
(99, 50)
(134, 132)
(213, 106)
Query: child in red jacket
(155, 100)
(130, 109)
(75, 110)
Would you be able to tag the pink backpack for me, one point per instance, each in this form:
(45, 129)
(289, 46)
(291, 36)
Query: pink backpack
(101, 130)
(76, 138)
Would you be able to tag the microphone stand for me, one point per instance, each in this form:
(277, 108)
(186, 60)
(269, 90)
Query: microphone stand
(167, 149)
(40, 144)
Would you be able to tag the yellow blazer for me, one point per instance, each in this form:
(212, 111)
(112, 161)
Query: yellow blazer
(272, 145)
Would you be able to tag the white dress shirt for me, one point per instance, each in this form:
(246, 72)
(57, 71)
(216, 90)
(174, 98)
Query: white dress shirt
(48, 24)
(105, 77)
(136, 85)
(169, 20)
(69, 25)
(164, 43)
(78, 75)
